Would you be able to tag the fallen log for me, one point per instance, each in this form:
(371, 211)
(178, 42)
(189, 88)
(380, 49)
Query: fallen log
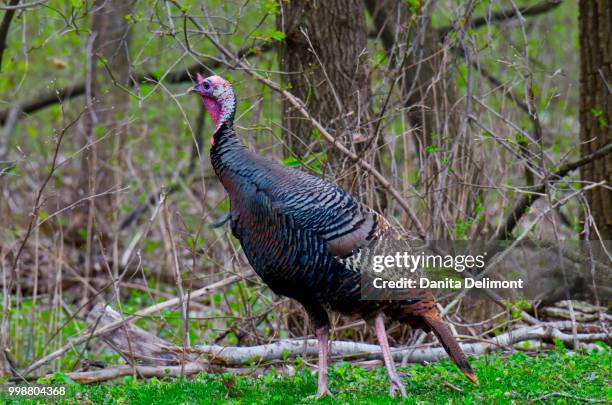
(142, 347)
(121, 321)
(188, 369)
(150, 356)
(298, 347)
(110, 373)
(581, 306)
(133, 343)
(562, 313)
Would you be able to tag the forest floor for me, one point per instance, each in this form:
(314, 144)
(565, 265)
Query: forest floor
(559, 376)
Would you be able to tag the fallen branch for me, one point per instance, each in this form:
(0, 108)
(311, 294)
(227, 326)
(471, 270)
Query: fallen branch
(188, 369)
(151, 356)
(150, 349)
(132, 342)
(110, 373)
(568, 396)
(234, 356)
(581, 306)
(452, 387)
(579, 315)
(143, 312)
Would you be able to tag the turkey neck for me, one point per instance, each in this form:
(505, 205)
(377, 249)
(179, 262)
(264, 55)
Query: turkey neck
(229, 157)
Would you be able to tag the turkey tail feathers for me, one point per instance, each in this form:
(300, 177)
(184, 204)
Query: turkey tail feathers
(451, 346)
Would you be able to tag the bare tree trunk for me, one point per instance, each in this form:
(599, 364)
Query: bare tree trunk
(4, 27)
(107, 101)
(325, 57)
(595, 24)
(105, 121)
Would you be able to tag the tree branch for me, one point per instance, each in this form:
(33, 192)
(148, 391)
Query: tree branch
(382, 18)
(504, 15)
(184, 75)
(13, 7)
(527, 200)
(179, 76)
(154, 356)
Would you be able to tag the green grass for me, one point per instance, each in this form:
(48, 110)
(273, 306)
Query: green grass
(517, 378)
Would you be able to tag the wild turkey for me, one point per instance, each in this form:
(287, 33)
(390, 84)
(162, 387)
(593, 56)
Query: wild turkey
(296, 231)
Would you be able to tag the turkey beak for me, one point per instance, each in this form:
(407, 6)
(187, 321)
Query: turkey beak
(197, 88)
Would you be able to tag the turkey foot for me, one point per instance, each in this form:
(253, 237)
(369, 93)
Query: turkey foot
(396, 385)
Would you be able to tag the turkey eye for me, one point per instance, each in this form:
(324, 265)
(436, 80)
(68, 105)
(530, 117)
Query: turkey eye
(206, 85)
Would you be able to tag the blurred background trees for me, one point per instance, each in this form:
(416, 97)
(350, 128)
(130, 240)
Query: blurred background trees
(466, 107)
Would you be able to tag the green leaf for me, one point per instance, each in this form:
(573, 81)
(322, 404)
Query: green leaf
(62, 378)
(277, 35)
(291, 161)
(433, 148)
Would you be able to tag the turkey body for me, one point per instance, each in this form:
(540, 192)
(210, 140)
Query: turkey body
(299, 231)
(293, 226)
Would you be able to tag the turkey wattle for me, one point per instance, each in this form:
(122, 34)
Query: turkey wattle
(294, 227)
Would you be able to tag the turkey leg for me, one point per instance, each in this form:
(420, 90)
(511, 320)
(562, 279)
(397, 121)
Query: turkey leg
(322, 333)
(394, 378)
